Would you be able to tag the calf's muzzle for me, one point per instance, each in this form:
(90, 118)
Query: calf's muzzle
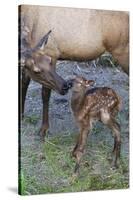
(65, 88)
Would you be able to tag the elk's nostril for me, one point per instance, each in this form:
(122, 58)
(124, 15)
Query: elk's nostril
(64, 88)
(69, 84)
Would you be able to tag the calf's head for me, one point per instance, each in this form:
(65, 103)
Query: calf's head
(39, 67)
(79, 84)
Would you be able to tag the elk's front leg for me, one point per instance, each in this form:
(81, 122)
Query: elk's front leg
(45, 118)
(23, 90)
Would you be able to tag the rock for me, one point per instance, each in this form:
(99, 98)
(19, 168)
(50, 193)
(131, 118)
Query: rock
(60, 100)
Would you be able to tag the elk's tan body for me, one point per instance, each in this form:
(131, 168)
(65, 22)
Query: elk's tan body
(79, 34)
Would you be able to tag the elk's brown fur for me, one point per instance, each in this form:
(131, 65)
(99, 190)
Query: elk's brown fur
(89, 105)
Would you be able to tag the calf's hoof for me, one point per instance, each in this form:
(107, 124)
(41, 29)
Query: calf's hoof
(73, 178)
(76, 169)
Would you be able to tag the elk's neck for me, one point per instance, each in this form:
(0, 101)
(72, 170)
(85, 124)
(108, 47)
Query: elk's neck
(77, 100)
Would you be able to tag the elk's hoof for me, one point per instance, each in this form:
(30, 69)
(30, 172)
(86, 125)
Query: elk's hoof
(114, 165)
(42, 132)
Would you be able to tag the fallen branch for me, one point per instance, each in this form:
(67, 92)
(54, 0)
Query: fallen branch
(53, 144)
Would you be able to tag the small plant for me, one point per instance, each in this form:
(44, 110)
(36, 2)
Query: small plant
(108, 60)
(32, 119)
(22, 184)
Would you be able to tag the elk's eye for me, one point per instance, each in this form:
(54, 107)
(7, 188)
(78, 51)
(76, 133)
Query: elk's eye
(29, 62)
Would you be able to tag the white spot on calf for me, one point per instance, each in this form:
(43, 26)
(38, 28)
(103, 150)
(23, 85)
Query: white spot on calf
(105, 116)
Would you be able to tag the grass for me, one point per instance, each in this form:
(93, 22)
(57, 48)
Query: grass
(52, 169)
(107, 60)
(23, 183)
(31, 120)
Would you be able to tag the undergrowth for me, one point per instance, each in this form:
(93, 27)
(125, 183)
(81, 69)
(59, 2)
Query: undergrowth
(57, 166)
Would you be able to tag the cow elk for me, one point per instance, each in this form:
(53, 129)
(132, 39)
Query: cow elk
(94, 104)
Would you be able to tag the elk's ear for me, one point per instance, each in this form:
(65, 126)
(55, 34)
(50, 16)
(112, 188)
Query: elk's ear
(89, 83)
(43, 41)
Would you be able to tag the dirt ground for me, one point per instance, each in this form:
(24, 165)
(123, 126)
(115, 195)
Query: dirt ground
(62, 125)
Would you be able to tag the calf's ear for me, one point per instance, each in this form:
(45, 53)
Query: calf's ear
(90, 83)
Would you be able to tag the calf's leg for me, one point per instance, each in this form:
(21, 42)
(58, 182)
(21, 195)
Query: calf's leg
(117, 141)
(110, 121)
(80, 146)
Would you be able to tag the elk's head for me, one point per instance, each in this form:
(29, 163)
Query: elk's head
(39, 67)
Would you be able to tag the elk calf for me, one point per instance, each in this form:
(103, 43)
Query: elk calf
(93, 104)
